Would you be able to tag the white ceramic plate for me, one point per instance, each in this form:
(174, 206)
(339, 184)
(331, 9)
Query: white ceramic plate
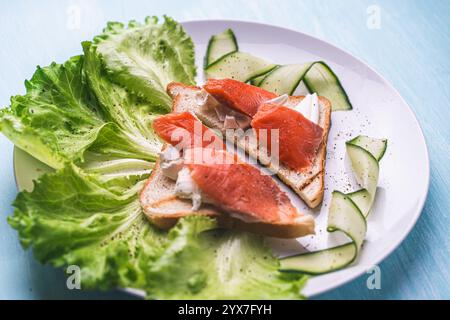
(379, 111)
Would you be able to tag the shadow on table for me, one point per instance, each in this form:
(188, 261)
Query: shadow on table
(49, 283)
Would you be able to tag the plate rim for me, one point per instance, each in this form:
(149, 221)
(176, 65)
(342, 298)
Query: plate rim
(419, 209)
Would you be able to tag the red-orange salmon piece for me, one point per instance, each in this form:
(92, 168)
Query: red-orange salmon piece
(238, 95)
(239, 187)
(299, 138)
(183, 130)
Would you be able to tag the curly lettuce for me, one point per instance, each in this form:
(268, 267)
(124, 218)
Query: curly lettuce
(201, 263)
(90, 118)
(75, 218)
(144, 58)
(59, 119)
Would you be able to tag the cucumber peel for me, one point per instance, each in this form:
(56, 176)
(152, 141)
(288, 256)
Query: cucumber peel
(224, 60)
(319, 262)
(377, 147)
(321, 79)
(285, 79)
(220, 45)
(347, 213)
(240, 66)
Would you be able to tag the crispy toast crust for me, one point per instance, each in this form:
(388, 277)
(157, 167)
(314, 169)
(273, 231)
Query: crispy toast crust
(309, 185)
(163, 209)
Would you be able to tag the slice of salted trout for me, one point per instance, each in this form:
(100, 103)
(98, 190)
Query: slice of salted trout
(236, 193)
(239, 188)
(183, 130)
(298, 138)
(238, 95)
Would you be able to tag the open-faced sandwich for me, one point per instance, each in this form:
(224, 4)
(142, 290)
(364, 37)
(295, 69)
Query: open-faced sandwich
(295, 128)
(196, 175)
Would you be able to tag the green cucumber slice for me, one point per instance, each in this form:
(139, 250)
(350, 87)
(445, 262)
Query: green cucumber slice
(363, 200)
(322, 80)
(240, 66)
(319, 262)
(220, 45)
(317, 77)
(223, 60)
(365, 167)
(285, 79)
(347, 212)
(257, 80)
(345, 217)
(377, 147)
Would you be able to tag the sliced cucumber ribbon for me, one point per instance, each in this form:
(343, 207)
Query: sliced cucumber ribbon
(377, 147)
(240, 66)
(347, 213)
(365, 153)
(223, 60)
(220, 45)
(281, 79)
(344, 216)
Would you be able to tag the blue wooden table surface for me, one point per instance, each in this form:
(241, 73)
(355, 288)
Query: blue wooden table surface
(409, 44)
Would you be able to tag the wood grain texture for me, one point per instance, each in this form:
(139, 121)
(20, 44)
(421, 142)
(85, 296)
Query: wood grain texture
(411, 49)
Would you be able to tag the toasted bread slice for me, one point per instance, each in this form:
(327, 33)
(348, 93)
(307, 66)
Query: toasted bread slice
(309, 185)
(163, 208)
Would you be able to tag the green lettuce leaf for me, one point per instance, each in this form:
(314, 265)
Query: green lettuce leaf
(128, 111)
(90, 118)
(96, 223)
(144, 58)
(59, 119)
(218, 264)
(74, 218)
